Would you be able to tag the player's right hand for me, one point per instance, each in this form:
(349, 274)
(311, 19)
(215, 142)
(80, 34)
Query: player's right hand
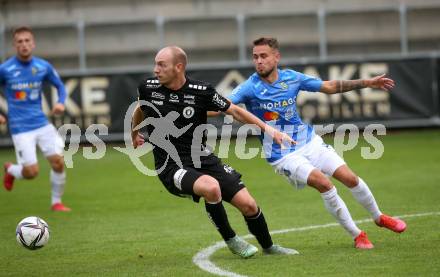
(2, 119)
(283, 139)
(137, 139)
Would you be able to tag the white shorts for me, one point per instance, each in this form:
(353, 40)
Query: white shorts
(298, 165)
(47, 139)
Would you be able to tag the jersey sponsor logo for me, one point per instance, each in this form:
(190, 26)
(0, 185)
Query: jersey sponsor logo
(153, 81)
(188, 96)
(152, 85)
(217, 100)
(264, 91)
(20, 95)
(268, 116)
(16, 73)
(160, 103)
(25, 85)
(174, 98)
(188, 112)
(189, 102)
(278, 104)
(157, 95)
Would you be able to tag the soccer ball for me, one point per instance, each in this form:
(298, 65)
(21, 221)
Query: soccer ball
(32, 232)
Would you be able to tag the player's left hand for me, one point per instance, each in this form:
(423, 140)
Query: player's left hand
(381, 82)
(138, 139)
(58, 109)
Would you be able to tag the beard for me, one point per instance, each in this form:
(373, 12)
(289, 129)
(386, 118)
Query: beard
(266, 74)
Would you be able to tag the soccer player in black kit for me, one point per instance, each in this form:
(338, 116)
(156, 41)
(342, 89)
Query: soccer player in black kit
(174, 109)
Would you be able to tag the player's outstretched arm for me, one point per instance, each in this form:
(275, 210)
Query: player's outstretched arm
(212, 114)
(340, 86)
(244, 116)
(137, 138)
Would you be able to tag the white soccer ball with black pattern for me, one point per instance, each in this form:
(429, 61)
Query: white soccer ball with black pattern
(32, 232)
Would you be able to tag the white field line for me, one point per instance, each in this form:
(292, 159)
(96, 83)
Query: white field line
(201, 259)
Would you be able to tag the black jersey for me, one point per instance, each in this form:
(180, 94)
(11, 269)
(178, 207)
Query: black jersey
(175, 118)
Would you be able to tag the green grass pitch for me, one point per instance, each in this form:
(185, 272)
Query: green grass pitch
(126, 224)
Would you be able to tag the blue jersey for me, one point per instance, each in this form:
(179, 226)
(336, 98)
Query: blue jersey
(275, 104)
(22, 84)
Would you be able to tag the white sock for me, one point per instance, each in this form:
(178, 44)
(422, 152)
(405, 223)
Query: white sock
(336, 206)
(363, 196)
(15, 170)
(57, 181)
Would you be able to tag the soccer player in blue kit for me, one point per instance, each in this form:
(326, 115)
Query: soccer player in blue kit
(270, 94)
(22, 78)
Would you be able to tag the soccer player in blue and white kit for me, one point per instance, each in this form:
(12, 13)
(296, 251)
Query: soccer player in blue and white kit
(22, 78)
(270, 94)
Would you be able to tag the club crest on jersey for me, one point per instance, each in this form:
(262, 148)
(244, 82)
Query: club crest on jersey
(289, 114)
(284, 86)
(34, 70)
(188, 112)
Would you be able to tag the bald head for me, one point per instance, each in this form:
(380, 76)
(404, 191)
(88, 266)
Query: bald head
(174, 54)
(170, 65)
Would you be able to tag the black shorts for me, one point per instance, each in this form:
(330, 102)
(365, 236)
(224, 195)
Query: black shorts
(180, 181)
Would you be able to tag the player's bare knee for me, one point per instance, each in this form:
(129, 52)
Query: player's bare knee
(30, 172)
(211, 188)
(351, 180)
(323, 187)
(320, 182)
(249, 208)
(57, 163)
(58, 166)
(213, 193)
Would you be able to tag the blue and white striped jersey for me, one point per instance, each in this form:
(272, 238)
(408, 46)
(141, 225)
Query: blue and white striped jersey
(22, 84)
(275, 104)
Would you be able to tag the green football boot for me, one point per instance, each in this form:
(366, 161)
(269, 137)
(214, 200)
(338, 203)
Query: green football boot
(241, 247)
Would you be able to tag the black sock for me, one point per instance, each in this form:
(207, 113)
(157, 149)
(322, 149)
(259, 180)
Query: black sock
(217, 214)
(258, 227)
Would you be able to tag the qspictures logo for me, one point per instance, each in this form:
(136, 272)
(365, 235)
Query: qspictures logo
(346, 137)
